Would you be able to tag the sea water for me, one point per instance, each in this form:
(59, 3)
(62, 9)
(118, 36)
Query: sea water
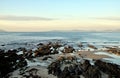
(22, 38)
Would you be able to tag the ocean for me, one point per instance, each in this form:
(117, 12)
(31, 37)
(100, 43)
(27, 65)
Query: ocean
(18, 39)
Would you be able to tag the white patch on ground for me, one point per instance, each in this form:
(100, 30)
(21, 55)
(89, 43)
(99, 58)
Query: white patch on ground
(59, 52)
(61, 48)
(37, 63)
(20, 52)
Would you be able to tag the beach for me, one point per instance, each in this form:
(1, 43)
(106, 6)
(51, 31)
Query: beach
(35, 57)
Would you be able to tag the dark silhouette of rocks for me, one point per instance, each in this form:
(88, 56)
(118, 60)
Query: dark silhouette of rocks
(10, 61)
(75, 70)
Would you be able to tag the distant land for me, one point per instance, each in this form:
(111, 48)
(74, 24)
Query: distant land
(2, 30)
(117, 30)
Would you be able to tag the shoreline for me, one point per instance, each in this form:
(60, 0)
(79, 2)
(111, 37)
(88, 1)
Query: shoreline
(44, 54)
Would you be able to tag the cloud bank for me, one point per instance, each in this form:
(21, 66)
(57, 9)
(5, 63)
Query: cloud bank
(109, 18)
(24, 18)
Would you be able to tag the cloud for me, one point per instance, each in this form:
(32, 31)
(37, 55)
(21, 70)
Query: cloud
(109, 18)
(24, 18)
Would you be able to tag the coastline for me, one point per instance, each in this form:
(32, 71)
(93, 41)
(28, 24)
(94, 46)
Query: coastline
(39, 53)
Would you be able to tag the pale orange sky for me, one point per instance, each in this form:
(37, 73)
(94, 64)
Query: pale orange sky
(97, 25)
(49, 15)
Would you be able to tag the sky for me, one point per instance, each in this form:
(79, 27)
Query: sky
(62, 15)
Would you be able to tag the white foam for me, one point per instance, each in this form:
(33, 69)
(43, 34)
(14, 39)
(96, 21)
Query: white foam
(108, 54)
(114, 58)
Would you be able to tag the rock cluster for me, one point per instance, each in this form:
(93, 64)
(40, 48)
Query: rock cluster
(10, 61)
(85, 69)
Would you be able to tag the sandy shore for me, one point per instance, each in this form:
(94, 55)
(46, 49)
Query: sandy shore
(90, 54)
